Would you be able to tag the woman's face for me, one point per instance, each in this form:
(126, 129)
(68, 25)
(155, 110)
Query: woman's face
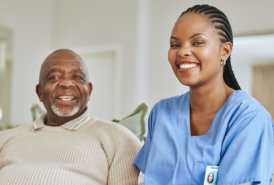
(210, 177)
(195, 51)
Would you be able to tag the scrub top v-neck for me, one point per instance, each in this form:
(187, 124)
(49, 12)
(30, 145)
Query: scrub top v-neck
(171, 155)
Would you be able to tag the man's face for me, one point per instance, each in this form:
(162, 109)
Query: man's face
(63, 88)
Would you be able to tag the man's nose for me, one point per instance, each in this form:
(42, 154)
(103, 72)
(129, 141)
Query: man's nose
(66, 83)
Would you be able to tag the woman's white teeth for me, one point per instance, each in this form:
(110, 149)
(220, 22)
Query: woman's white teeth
(66, 98)
(186, 66)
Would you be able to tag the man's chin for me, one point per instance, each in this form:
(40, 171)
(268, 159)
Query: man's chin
(65, 113)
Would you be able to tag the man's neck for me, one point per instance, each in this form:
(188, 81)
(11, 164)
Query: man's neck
(58, 121)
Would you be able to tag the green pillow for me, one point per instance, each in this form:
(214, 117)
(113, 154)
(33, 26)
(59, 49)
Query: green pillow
(136, 121)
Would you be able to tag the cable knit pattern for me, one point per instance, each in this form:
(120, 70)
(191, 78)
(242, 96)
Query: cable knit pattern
(97, 152)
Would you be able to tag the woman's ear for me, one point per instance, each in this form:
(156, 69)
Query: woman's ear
(226, 50)
(39, 92)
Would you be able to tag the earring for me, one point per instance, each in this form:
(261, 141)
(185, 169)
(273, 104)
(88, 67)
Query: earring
(222, 62)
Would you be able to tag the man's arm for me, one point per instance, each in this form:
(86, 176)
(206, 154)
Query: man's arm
(122, 171)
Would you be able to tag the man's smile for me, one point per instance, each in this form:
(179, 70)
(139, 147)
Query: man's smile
(66, 98)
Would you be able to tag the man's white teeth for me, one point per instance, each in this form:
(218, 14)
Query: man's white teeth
(186, 66)
(66, 98)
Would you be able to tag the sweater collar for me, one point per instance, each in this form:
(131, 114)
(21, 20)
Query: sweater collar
(70, 125)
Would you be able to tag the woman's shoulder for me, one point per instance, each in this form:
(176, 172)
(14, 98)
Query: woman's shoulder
(170, 101)
(243, 101)
(245, 109)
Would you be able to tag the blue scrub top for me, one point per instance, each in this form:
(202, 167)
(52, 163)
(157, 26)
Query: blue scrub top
(239, 141)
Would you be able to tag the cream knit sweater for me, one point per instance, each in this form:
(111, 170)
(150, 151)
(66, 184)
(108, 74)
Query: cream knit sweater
(92, 151)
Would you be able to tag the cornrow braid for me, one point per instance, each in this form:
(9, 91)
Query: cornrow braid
(221, 23)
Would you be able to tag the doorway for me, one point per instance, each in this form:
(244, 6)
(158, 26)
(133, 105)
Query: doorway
(104, 72)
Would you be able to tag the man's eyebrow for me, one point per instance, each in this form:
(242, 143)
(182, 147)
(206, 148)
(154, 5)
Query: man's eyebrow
(53, 70)
(78, 71)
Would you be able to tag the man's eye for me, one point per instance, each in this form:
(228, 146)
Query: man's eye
(54, 77)
(174, 45)
(77, 77)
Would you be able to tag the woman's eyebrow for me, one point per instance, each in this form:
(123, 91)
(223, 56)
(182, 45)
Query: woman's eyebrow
(194, 35)
(173, 37)
(198, 34)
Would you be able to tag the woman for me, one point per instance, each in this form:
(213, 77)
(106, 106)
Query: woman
(215, 123)
(210, 178)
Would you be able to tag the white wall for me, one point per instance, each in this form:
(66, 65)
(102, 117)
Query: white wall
(30, 21)
(246, 17)
(141, 28)
(87, 24)
(249, 51)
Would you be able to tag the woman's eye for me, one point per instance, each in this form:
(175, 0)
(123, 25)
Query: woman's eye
(174, 45)
(198, 43)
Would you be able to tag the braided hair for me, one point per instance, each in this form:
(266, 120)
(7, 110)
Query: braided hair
(221, 23)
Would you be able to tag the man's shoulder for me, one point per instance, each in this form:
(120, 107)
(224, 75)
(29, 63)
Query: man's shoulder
(111, 135)
(12, 132)
(106, 127)
(101, 123)
(16, 129)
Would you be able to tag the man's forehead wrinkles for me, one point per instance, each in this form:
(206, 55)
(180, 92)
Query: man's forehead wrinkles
(62, 69)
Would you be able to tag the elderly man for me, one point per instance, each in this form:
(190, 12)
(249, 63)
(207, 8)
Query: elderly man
(66, 145)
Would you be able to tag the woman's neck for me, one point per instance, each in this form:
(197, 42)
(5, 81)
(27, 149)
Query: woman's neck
(209, 99)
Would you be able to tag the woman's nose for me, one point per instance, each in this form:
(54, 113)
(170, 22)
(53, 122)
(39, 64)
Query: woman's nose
(184, 51)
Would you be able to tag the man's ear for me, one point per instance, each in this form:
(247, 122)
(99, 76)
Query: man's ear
(89, 88)
(226, 50)
(39, 92)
